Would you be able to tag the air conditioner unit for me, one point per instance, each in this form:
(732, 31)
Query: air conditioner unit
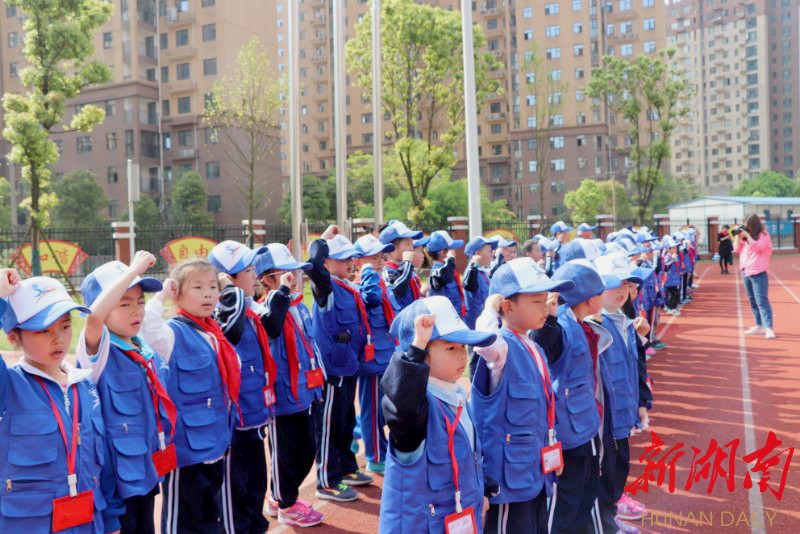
(172, 14)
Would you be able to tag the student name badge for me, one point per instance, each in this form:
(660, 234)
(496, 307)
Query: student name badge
(165, 460)
(69, 512)
(314, 379)
(269, 396)
(463, 523)
(552, 458)
(369, 352)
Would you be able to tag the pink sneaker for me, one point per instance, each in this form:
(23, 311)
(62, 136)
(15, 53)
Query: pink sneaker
(650, 351)
(272, 508)
(629, 509)
(300, 515)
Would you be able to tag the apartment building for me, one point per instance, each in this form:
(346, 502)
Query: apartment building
(165, 57)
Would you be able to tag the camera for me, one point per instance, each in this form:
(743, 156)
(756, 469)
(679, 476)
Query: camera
(736, 231)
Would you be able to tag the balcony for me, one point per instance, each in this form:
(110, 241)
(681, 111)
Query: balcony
(494, 117)
(182, 119)
(319, 38)
(322, 136)
(178, 18)
(497, 74)
(319, 77)
(318, 60)
(498, 53)
(622, 15)
(319, 20)
(180, 86)
(181, 52)
(630, 36)
(494, 10)
(184, 153)
(317, 3)
(494, 96)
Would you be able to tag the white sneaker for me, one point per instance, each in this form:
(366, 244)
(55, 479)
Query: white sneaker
(754, 330)
(770, 334)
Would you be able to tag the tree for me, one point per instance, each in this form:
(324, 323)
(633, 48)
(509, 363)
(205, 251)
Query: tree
(423, 86)
(650, 97)
(593, 198)
(81, 200)
(245, 107)
(145, 212)
(548, 95)
(768, 184)
(5, 205)
(189, 200)
(58, 44)
(672, 191)
(315, 201)
(361, 182)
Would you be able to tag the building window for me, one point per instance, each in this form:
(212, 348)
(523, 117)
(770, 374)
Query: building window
(130, 150)
(527, 12)
(527, 35)
(624, 5)
(182, 37)
(11, 11)
(150, 46)
(207, 3)
(12, 69)
(557, 142)
(577, 27)
(579, 73)
(577, 5)
(167, 140)
(84, 144)
(211, 136)
(649, 24)
(108, 40)
(163, 41)
(111, 107)
(111, 141)
(165, 74)
(185, 104)
(182, 71)
(649, 47)
(553, 53)
(497, 128)
(212, 170)
(626, 50)
(111, 175)
(532, 165)
(185, 138)
(648, 3)
(13, 39)
(209, 33)
(165, 112)
(214, 204)
(149, 144)
(552, 31)
(577, 50)
(551, 9)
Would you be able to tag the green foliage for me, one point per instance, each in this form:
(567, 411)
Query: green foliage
(673, 191)
(189, 198)
(58, 45)
(5, 205)
(423, 86)
(361, 183)
(316, 206)
(594, 198)
(145, 212)
(245, 108)
(768, 184)
(651, 97)
(81, 200)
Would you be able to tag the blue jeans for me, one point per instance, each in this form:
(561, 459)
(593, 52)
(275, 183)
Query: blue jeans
(757, 287)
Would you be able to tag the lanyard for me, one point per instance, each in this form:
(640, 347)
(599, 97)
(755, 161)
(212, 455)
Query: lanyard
(302, 336)
(544, 374)
(157, 394)
(451, 447)
(71, 452)
(362, 310)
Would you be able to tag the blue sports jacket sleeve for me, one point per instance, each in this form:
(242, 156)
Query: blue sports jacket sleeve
(443, 275)
(470, 281)
(321, 285)
(405, 405)
(230, 313)
(399, 279)
(277, 306)
(371, 287)
(549, 338)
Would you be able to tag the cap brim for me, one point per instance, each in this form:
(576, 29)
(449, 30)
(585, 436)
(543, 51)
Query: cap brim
(555, 286)
(342, 256)
(633, 278)
(457, 243)
(421, 242)
(412, 235)
(51, 314)
(377, 250)
(611, 282)
(473, 338)
(149, 285)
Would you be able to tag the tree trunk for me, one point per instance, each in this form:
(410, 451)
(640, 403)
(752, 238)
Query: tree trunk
(36, 260)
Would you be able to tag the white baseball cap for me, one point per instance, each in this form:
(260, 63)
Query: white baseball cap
(37, 303)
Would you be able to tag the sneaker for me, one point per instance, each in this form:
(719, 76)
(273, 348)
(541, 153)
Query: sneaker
(770, 333)
(376, 467)
(341, 493)
(630, 509)
(659, 345)
(300, 515)
(650, 351)
(359, 478)
(354, 446)
(695, 286)
(625, 528)
(272, 508)
(755, 330)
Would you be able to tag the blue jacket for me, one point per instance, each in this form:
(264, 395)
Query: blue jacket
(512, 424)
(673, 268)
(418, 496)
(620, 372)
(399, 279)
(577, 417)
(34, 465)
(476, 291)
(340, 332)
(443, 282)
(131, 430)
(205, 420)
(374, 296)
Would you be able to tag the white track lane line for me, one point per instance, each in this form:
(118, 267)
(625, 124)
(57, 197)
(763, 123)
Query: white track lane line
(787, 288)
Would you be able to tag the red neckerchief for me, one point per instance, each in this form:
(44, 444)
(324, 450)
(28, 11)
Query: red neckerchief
(157, 392)
(460, 292)
(263, 341)
(362, 310)
(592, 339)
(413, 281)
(388, 309)
(227, 359)
(289, 329)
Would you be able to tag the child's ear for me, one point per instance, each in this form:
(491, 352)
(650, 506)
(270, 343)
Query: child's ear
(506, 306)
(15, 338)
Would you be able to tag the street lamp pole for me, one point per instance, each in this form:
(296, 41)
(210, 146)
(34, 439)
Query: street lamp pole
(377, 113)
(471, 122)
(295, 180)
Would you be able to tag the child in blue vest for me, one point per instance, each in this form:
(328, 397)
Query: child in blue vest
(429, 426)
(381, 309)
(51, 416)
(513, 403)
(237, 315)
(398, 271)
(445, 279)
(505, 250)
(572, 347)
(342, 332)
(673, 277)
(619, 368)
(138, 413)
(476, 277)
(204, 382)
(298, 386)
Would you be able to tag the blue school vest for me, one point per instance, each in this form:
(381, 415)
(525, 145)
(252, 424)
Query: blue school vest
(129, 415)
(340, 359)
(450, 291)
(476, 299)
(577, 418)
(34, 461)
(285, 403)
(620, 372)
(417, 497)
(512, 425)
(252, 408)
(203, 430)
(384, 342)
(673, 274)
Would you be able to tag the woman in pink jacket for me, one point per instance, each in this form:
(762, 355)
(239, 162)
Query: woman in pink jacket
(754, 247)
